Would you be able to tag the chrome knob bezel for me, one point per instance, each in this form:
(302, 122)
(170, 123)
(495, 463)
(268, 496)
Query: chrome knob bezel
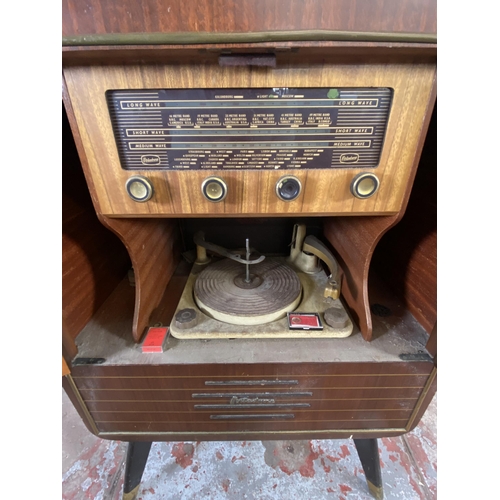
(280, 183)
(145, 182)
(220, 182)
(356, 182)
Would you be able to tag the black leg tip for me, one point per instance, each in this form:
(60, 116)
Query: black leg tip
(131, 495)
(376, 491)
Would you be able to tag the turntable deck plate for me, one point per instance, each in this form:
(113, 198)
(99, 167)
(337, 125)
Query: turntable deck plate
(312, 300)
(273, 289)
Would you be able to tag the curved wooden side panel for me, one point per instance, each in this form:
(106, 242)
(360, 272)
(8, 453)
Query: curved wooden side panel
(93, 259)
(152, 248)
(151, 244)
(354, 240)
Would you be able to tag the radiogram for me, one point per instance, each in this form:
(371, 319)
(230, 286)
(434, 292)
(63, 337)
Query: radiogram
(240, 181)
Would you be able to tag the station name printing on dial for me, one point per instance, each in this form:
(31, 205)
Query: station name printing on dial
(167, 132)
(334, 103)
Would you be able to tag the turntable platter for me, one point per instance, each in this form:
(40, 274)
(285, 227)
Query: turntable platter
(221, 291)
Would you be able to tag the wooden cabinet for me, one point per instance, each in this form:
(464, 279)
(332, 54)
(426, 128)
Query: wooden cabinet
(375, 383)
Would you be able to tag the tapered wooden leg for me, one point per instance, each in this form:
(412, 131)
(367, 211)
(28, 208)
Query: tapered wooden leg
(137, 457)
(370, 460)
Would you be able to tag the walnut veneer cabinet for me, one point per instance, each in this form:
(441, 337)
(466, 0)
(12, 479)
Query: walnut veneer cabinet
(337, 96)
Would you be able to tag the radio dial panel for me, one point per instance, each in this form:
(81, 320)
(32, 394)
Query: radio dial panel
(249, 129)
(322, 124)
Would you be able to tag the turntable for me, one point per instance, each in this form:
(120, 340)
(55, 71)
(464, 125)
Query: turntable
(242, 294)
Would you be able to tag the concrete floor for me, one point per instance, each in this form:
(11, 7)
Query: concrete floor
(254, 470)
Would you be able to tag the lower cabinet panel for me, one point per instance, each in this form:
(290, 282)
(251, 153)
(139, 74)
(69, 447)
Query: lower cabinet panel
(250, 398)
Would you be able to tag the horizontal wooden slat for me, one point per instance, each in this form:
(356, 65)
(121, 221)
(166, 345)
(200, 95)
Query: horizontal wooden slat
(322, 404)
(250, 371)
(244, 426)
(204, 415)
(305, 383)
(165, 395)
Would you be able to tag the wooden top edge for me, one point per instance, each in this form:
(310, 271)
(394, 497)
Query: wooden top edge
(263, 46)
(194, 38)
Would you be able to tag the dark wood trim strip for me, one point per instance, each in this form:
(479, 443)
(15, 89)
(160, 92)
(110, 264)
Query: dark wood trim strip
(329, 375)
(171, 401)
(428, 390)
(205, 422)
(194, 37)
(188, 389)
(65, 368)
(78, 402)
(251, 435)
(201, 371)
(190, 410)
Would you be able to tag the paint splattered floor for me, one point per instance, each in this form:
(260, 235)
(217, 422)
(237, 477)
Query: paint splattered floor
(252, 470)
